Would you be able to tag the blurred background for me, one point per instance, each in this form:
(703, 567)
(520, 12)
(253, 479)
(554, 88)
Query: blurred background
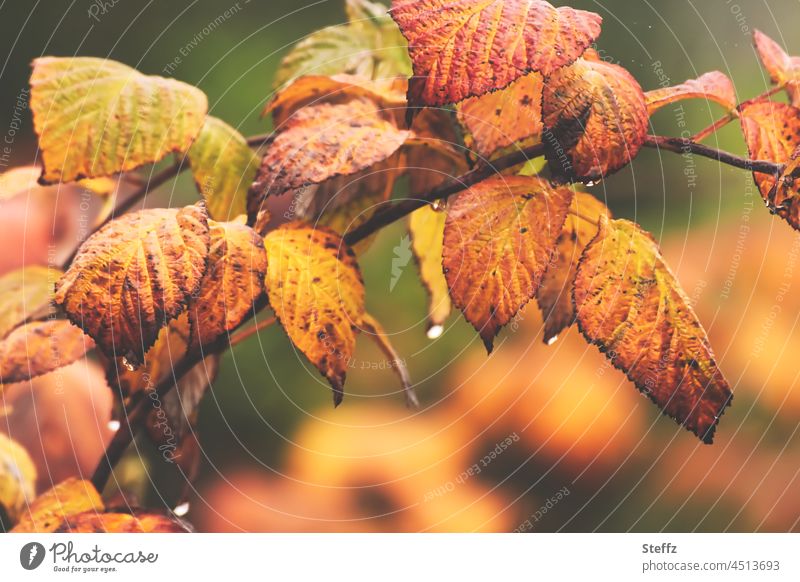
(533, 438)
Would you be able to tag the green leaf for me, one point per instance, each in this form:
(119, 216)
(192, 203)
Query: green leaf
(24, 293)
(370, 45)
(224, 167)
(96, 117)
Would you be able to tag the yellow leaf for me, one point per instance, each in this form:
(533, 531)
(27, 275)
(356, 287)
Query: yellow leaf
(595, 118)
(324, 141)
(49, 510)
(18, 180)
(234, 280)
(224, 167)
(115, 522)
(427, 233)
(316, 291)
(630, 305)
(499, 237)
(498, 120)
(25, 293)
(555, 293)
(134, 275)
(96, 117)
(40, 347)
(17, 479)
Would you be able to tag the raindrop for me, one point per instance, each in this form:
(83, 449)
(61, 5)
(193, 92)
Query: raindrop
(128, 366)
(590, 183)
(552, 340)
(435, 331)
(182, 509)
(439, 205)
(113, 425)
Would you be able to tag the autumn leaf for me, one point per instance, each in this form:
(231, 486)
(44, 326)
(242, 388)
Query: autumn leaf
(595, 118)
(25, 293)
(234, 280)
(375, 331)
(49, 510)
(772, 132)
(426, 227)
(555, 292)
(337, 89)
(96, 117)
(498, 120)
(499, 237)
(630, 305)
(17, 481)
(322, 142)
(713, 86)
(121, 522)
(369, 45)
(783, 69)
(471, 47)
(316, 291)
(134, 275)
(224, 167)
(40, 347)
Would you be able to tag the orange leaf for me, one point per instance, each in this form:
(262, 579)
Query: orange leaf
(321, 142)
(498, 120)
(134, 275)
(50, 509)
(631, 306)
(232, 283)
(713, 86)
(595, 119)
(316, 291)
(336, 90)
(471, 47)
(115, 522)
(40, 347)
(555, 293)
(782, 69)
(772, 132)
(499, 237)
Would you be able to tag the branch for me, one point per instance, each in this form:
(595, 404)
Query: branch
(687, 146)
(133, 421)
(389, 214)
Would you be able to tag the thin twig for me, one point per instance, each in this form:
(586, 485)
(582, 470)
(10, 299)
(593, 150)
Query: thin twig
(246, 333)
(389, 214)
(687, 146)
